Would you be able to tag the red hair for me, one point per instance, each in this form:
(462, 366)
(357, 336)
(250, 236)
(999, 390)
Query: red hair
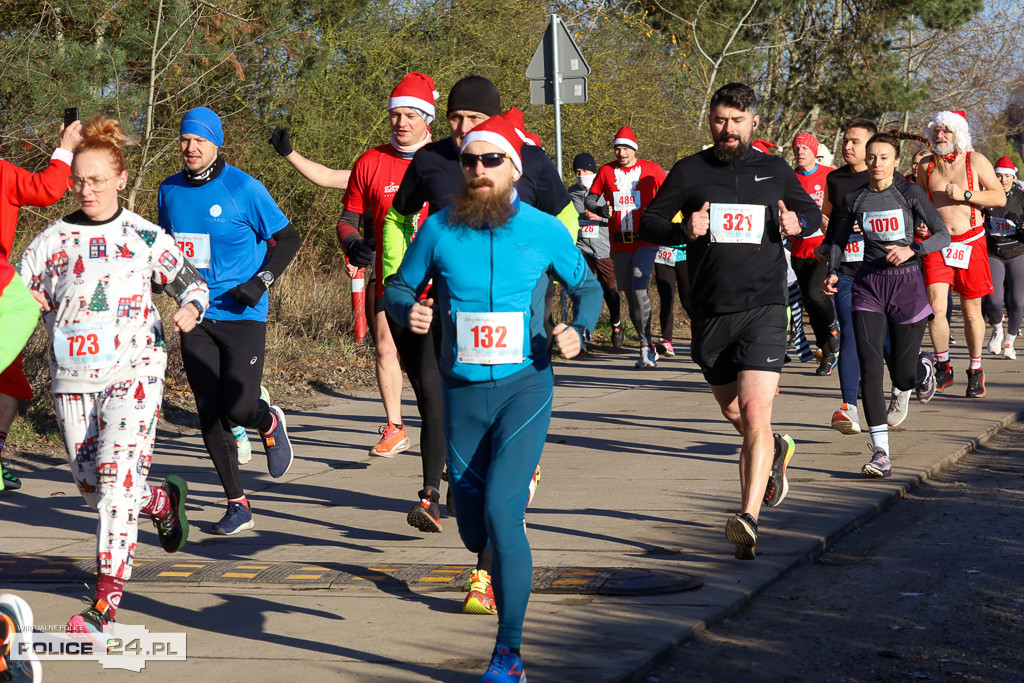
(107, 134)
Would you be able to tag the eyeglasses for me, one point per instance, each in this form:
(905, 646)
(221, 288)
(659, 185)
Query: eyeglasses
(76, 183)
(488, 159)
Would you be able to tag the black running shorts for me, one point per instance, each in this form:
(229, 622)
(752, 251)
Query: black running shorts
(723, 345)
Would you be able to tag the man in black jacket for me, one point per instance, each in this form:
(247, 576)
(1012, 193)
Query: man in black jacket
(738, 204)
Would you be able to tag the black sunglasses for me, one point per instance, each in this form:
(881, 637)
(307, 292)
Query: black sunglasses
(488, 159)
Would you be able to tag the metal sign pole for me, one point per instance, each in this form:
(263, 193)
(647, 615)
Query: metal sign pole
(556, 82)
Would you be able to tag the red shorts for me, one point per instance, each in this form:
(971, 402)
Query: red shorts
(13, 382)
(972, 282)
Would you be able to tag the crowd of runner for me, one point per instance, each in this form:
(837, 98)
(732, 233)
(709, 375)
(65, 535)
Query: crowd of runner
(465, 238)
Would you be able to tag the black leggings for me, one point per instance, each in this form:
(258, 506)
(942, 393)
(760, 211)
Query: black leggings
(905, 344)
(810, 274)
(669, 280)
(223, 361)
(419, 354)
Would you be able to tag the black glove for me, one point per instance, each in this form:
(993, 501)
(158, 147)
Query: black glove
(360, 253)
(279, 139)
(606, 211)
(249, 292)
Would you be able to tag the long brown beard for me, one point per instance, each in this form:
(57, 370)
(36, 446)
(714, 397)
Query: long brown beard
(482, 209)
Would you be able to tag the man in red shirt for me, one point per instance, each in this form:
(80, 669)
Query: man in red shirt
(20, 188)
(810, 272)
(370, 190)
(628, 185)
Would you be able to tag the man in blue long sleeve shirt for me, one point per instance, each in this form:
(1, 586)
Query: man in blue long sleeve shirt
(491, 257)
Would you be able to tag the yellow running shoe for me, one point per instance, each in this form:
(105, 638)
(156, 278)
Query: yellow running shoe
(481, 594)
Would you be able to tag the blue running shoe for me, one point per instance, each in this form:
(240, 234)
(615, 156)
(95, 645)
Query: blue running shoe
(237, 518)
(277, 446)
(16, 618)
(505, 667)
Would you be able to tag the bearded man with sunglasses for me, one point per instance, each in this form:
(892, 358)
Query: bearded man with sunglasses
(435, 178)
(20, 188)
(491, 256)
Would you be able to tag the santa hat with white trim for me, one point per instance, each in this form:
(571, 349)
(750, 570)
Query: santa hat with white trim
(1005, 166)
(515, 117)
(500, 133)
(625, 138)
(956, 123)
(417, 91)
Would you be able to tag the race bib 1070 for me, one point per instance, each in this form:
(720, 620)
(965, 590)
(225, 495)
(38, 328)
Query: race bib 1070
(886, 226)
(487, 338)
(737, 223)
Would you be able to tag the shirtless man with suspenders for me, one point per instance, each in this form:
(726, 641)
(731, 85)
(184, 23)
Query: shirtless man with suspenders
(960, 183)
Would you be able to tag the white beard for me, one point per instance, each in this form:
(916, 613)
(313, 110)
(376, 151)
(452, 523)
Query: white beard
(944, 149)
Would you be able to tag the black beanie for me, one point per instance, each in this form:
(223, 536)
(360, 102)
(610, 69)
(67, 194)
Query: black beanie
(475, 93)
(584, 160)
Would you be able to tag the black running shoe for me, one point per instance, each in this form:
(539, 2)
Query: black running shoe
(426, 515)
(778, 485)
(173, 527)
(618, 336)
(741, 529)
(975, 383)
(943, 376)
(828, 361)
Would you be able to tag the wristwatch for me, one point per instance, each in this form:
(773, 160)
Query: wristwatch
(199, 306)
(967, 195)
(267, 277)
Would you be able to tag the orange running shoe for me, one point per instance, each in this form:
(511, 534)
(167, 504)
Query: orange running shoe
(392, 441)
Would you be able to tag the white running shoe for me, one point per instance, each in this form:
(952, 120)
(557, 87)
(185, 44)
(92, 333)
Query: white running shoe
(898, 407)
(995, 342)
(846, 420)
(242, 442)
(1008, 352)
(648, 358)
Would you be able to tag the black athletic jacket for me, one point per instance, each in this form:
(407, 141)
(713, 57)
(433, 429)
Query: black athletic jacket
(1007, 247)
(435, 177)
(729, 278)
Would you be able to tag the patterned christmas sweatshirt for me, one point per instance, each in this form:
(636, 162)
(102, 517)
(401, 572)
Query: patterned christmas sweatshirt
(97, 278)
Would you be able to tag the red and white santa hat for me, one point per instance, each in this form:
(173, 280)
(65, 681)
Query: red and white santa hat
(956, 123)
(1005, 166)
(764, 146)
(500, 133)
(515, 117)
(625, 138)
(417, 91)
(534, 139)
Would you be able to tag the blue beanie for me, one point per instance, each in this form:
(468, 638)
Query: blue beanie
(585, 160)
(204, 123)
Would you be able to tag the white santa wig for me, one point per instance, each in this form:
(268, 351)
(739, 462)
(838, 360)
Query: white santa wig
(956, 124)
